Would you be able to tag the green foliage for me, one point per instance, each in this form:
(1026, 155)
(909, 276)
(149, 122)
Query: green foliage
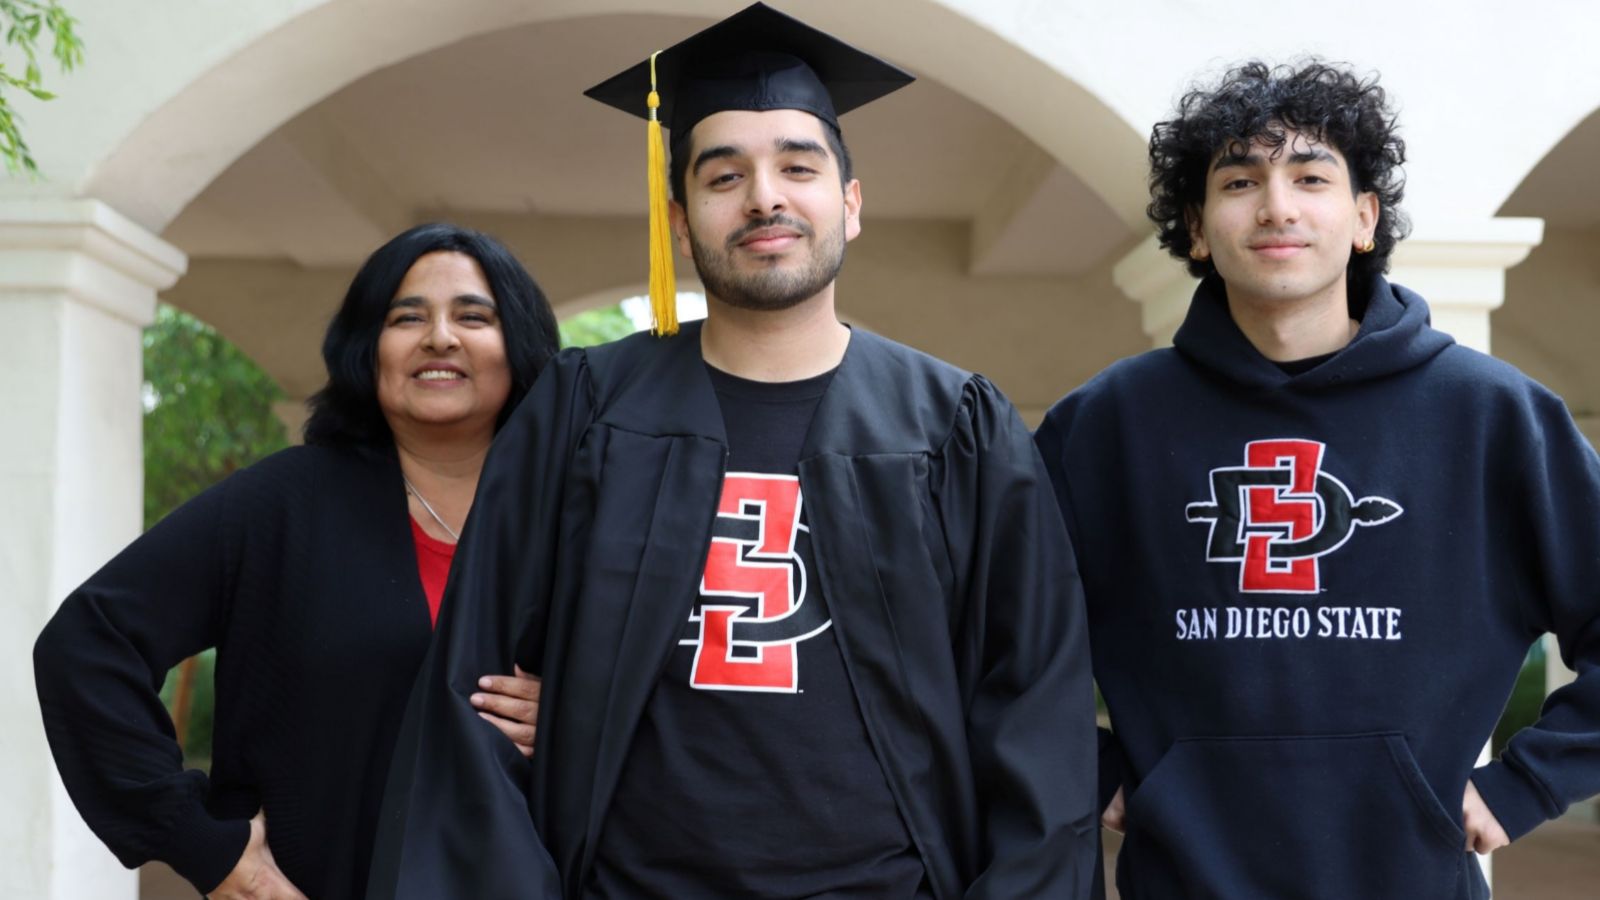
(1527, 698)
(24, 22)
(196, 738)
(597, 326)
(208, 411)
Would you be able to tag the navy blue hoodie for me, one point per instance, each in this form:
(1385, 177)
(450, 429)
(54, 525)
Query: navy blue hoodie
(1309, 597)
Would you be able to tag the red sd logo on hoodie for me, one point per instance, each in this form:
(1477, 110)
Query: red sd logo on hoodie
(1279, 512)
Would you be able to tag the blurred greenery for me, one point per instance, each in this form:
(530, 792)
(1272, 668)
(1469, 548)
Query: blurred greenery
(24, 22)
(196, 737)
(1527, 697)
(208, 411)
(597, 326)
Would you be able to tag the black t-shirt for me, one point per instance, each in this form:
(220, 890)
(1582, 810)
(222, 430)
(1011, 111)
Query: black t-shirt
(751, 774)
(1297, 366)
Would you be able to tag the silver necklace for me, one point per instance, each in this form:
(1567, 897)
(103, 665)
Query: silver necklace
(429, 508)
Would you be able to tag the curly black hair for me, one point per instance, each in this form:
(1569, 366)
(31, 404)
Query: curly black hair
(1257, 102)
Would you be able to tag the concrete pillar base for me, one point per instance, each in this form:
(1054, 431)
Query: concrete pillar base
(1460, 269)
(1161, 285)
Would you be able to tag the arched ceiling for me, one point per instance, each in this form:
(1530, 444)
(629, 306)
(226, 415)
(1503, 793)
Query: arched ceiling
(1562, 189)
(1551, 316)
(497, 124)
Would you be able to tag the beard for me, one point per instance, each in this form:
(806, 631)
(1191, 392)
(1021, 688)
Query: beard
(771, 288)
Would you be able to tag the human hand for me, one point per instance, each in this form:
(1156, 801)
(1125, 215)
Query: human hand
(1484, 833)
(511, 704)
(256, 875)
(1116, 814)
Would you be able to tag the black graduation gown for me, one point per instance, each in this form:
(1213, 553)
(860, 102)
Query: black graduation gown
(944, 559)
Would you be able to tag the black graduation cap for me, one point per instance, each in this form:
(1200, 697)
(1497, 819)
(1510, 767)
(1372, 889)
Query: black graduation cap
(756, 59)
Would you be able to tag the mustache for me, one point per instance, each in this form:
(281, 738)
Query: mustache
(778, 221)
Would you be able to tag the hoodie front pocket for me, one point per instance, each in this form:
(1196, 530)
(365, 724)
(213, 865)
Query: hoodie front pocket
(1308, 818)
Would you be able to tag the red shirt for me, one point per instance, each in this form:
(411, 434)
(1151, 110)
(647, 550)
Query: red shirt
(433, 565)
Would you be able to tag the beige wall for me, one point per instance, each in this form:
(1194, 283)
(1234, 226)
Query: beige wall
(276, 312)
(1036, 338)
(1550, 324)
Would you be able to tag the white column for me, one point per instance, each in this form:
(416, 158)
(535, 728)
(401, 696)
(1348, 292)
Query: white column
(78, 282)
(1460, 269)
(1160, 284)
(1556, 673)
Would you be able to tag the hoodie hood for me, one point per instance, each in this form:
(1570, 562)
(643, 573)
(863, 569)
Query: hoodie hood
(1395, 335)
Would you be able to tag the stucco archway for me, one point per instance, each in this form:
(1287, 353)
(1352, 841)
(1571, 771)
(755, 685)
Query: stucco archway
(196, 126)
(1552, 312)
(1062, 195)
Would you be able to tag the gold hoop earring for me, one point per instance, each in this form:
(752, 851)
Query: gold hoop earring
(1368, 247)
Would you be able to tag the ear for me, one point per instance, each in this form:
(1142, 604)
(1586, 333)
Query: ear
(1367, 210)
(679, 219)
(852, 209)
(1198, 249)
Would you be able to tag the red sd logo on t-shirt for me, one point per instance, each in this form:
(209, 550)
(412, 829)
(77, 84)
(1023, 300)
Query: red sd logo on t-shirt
(755, 607)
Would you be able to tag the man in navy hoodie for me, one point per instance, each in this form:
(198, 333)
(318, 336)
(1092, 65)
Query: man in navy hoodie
(1317, 537)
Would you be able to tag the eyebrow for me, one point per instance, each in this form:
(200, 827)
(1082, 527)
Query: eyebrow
(1252, 160)
(463, 299)
(711, 154)
(800, 145)
(783, 145)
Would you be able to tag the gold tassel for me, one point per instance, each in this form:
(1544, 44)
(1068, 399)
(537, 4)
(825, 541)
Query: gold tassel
(663, 283)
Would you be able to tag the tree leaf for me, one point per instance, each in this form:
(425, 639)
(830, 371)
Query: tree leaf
(209, 410)
(24, 22)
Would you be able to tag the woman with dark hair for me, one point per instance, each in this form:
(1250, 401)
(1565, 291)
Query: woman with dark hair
(317, 574)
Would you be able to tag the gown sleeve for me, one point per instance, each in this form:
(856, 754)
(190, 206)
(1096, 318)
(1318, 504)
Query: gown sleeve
(99, 665)
(1031, 722)
(1556, 761)
(1112, 763)
(456, 820)
(1113, 768)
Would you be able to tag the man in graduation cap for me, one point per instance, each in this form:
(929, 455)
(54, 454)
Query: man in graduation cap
(805, 611)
